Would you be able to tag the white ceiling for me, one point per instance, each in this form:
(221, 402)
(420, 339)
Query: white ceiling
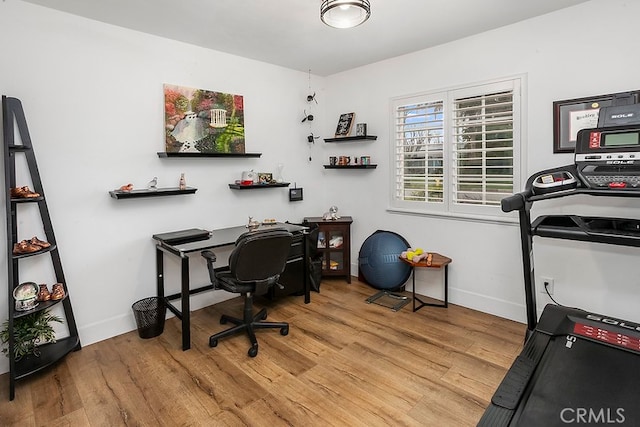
(289, 33)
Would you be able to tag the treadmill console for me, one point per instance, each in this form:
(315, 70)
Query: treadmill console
(609, 158)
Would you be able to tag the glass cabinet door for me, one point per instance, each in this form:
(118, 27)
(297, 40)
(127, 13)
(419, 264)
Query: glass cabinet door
(322, 240)
(336, 239)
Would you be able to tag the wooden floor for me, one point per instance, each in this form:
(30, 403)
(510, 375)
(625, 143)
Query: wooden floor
(344, 363)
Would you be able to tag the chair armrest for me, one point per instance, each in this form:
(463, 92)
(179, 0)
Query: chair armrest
(208, 255)
(211, 258)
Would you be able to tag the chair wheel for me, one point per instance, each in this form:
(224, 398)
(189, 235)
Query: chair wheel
(213, 342)
(253, 351)
(284, 330)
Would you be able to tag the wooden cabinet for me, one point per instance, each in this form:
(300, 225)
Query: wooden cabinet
(334, 244)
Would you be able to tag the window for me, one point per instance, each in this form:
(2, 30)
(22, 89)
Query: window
(457, 151)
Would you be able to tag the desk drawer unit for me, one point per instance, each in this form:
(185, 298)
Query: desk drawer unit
(293, 276)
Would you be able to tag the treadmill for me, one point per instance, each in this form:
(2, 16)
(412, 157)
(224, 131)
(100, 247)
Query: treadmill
(577, 367)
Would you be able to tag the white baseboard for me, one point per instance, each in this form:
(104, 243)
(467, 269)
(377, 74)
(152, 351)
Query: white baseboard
(497, 307)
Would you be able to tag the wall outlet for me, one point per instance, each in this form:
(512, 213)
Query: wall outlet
(548, 283)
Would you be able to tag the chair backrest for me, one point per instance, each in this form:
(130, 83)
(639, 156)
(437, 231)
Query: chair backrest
(260, 256)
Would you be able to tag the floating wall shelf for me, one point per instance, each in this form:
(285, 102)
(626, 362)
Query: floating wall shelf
(134, 194)
(350, 167)
(352, 138)
(254, 186)
(165, 154)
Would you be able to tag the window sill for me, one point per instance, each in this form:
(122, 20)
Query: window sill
(507, 219)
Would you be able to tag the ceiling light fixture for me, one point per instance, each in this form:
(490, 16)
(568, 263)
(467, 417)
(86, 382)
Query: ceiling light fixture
(344, 13)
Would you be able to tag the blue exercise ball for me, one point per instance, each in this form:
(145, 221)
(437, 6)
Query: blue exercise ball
(379, 263)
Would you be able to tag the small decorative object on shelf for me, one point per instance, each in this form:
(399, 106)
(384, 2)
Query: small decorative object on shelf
(57, 292)
(43, 293)
(126, 187)
(153, 184)
(278, 178)
(265, 178)
(332, 214)
(252, 224)
(344, 124)
(183, 182)
(248, 177)
(30, 246)
(23, 193)
(361, 129)
(26, 296)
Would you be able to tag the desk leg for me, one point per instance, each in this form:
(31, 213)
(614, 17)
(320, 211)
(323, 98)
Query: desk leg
(305, 267)
(186, 313)
(160, 274)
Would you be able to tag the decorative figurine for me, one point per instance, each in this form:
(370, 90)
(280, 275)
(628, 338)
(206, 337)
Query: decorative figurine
(183, 183)
(332, 214)
(153, 184)
(43, 293)
(253, 224)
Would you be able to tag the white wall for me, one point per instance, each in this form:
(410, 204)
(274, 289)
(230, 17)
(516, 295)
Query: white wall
(93, 99)
(585, 50)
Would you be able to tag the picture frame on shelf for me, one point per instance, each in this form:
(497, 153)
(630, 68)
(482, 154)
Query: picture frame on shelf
(265, 178)
(361, 129)
(345, 122)
(572, 115)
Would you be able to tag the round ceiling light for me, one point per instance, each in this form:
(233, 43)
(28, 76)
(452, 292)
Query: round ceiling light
(345, 13)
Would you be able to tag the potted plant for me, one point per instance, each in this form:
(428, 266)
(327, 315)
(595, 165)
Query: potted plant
(29, 332)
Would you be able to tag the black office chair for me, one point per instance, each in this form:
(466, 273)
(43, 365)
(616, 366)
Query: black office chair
(255, 265)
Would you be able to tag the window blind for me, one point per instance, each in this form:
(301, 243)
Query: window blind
(419, 136)
(482, 148)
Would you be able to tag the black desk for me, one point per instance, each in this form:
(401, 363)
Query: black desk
(216, 239)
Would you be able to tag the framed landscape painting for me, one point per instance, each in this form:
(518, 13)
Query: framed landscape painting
(203, 121)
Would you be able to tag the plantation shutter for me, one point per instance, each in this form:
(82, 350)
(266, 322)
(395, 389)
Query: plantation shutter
(482, 148)
(419, 149)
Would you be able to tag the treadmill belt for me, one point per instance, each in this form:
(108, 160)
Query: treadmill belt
(588, 384)
(577, 368)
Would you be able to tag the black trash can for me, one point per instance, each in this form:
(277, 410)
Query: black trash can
(149, 314)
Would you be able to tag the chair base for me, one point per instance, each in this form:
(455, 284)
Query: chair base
(248, 324)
